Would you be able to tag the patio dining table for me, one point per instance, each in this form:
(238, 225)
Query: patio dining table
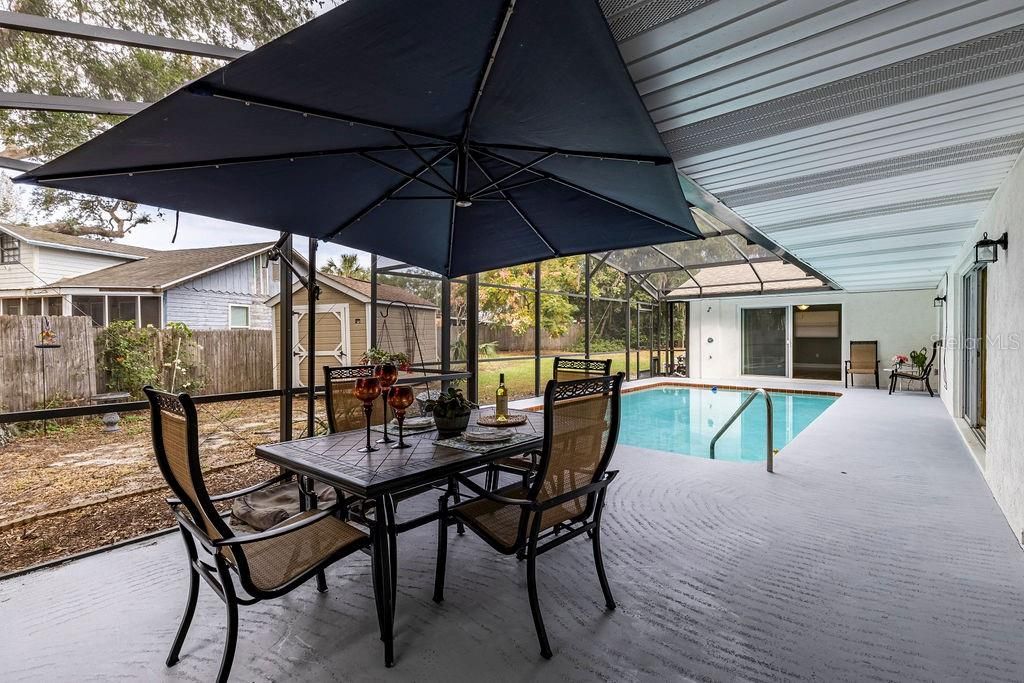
(379, 476)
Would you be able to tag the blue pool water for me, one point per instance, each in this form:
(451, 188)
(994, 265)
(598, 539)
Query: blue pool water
(684, 420)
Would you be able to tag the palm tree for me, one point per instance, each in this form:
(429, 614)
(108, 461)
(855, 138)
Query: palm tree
(347, 265)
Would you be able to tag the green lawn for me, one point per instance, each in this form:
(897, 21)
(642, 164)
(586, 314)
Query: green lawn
(519, 374)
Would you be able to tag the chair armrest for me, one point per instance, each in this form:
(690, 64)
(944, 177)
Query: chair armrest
(578, 493)
(278, 531)
(846, 363)
(240, 492)
(489, 495)
(196, 532)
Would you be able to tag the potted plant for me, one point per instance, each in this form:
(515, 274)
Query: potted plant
(376, 356)
(451, 412)
(919, 358)
(899, 359)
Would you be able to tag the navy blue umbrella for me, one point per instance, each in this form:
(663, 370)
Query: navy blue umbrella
(455, 135)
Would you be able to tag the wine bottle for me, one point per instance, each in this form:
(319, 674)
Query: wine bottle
(501, 400)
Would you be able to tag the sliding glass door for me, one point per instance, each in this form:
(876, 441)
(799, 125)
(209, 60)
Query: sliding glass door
(974, 349)
(764, 341)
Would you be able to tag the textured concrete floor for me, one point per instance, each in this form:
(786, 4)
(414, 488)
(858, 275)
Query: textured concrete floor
(875, 552)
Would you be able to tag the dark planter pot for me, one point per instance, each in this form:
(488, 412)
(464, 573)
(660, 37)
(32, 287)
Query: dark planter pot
(451, 426)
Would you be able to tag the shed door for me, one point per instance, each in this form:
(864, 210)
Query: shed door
(333, 340)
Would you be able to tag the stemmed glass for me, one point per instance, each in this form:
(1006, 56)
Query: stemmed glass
(367, 389)
(400, 398)
(387, 374)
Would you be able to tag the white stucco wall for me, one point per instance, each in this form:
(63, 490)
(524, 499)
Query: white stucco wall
(901, 321)
(1003, 458)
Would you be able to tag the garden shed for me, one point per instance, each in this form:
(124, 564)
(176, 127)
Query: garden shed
(407, 323)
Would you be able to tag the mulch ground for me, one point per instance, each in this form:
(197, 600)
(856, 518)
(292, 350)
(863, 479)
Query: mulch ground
(76, 488)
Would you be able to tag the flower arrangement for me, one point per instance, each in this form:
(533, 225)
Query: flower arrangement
(900, 359)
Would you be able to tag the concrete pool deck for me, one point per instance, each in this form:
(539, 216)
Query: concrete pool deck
(875, 552)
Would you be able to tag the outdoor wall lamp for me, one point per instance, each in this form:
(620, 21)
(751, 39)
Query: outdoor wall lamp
(987, 251)
(939, 301)
(803, 307)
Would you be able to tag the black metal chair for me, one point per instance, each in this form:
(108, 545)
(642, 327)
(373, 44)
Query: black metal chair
(923, 376)
(562, 370)
(266, 564)
(565, 498)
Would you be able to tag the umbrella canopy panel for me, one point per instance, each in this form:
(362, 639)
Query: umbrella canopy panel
(456, 136)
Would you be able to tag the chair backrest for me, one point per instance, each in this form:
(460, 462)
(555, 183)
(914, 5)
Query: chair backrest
(581, 427)
(175, 427)
(345, 411)
(931, 361)
(863, 355)
(578, 368)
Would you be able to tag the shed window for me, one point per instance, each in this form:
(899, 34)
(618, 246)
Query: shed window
(239, 316)
(12, 307)
(10, 249)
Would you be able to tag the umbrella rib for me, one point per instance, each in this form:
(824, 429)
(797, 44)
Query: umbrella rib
(424, 161)
(410, 176)
(597, 195)
(515, 208)
(214, 163)
(205, 90)
(486, 72)
(601, 156)
(509, 188)
(373, 205)
(505, 177)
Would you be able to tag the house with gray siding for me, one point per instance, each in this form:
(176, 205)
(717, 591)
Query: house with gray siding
(213, 288)
(44, 273)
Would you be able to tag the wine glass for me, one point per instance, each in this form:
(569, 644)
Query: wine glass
(400, 398)
(387, 374)
(367, 389)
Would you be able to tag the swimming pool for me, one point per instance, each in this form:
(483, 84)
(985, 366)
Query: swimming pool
(685, 419)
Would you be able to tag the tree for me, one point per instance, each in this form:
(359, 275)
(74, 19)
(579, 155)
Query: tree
(44, 64)
(347, 265)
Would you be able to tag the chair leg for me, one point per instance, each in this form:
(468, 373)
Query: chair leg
(609, 601)
(231, 637)
(442, 549)
(531, 584)
(457, 497)
(878, 383)
(321, 582)
(928, 385)
(186, 618)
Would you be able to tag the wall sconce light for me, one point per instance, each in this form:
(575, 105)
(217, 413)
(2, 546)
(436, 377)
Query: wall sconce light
(987, 251)
(939, 301)
(803, 307)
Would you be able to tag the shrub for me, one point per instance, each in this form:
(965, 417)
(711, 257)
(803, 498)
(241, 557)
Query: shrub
(126, 355)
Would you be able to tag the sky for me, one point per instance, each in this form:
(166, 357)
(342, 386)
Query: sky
(200, 231)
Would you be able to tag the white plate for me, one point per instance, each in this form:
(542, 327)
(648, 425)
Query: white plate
(486, 436)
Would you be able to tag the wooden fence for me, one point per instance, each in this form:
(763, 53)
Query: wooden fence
(510, 341)
(69, 372)
(230, 360)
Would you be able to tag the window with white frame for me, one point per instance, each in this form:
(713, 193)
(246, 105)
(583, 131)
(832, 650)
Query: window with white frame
(238, 316)
(10, 249)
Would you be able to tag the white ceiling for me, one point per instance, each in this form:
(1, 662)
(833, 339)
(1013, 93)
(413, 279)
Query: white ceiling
(863, 136)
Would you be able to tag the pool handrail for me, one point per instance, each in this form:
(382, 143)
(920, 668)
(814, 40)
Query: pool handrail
(743, 406)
